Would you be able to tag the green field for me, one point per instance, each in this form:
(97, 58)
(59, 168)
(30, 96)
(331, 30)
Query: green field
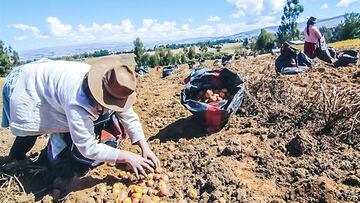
(339, 44)
(127, 59)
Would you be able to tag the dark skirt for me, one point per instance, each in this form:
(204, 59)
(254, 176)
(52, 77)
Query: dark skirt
(309, 49)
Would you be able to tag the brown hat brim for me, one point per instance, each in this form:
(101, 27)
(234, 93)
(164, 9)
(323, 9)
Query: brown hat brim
(96, 86)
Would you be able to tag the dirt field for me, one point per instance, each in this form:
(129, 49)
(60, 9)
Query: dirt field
(295, 139)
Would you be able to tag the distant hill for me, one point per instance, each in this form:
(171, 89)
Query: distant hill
(119, 46)
(328, 22)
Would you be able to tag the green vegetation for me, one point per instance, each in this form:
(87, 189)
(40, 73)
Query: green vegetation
(265, 41)
(348, 29)
(139, 52)
(288, 28)
(8, 59)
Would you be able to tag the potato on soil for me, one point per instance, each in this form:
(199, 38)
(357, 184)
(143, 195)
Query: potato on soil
(192, 193)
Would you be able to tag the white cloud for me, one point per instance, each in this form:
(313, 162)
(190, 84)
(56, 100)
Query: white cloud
(149, 30)
(345, 3)
(238, 14)
(214, 19)
(127, 26)
(20, 38)
(35, 31)
(324, 6)
(57, 28)
(185, 27)
(190, 20)
(252, 10)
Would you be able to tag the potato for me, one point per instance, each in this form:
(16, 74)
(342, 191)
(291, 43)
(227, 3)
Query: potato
(213, 98)
(192, 193)
(164, 191)
(165, 178)
(116, 187)
(208, 94)
(122, 195)
(150, 176)
(135, 200)
(158, 170)
(161, 184)
(222, 94)
(150, 183)
(127, 200)
(146, 199)
(103, 189)
(157, 177)
(138, 189)
(122, 173)
(155, 192)
(150, 191)
(155, 198)
(136, 196)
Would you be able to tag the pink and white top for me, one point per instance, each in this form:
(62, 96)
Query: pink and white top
(314, 34)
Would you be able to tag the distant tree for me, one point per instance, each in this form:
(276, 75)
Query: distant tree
(102, 52)
(218, 48)
(139, 51)
(183, 58)
(169, 58)
(154, 60)
(185, 50)
(191, 53)
(265, 41)
(350, 28)
(203, 48)
(246, 42)
(15, 59)
(288, 28)
(328, 33)
(144, 60)
(5, 59)
(241, 51)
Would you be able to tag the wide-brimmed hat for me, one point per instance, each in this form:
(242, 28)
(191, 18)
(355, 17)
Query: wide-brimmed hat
(112, 84)
(312, 19)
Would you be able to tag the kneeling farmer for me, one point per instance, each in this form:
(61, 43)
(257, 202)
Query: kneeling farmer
(60, 97)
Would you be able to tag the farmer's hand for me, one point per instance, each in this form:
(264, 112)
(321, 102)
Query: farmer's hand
(137, 163)
(147, 153)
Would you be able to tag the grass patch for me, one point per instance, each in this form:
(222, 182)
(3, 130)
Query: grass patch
(346, 43)
(339, 44)
(127, 59)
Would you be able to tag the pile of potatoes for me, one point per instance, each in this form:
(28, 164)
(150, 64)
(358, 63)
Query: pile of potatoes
(159, 122)
(148, 189)
(209, 96)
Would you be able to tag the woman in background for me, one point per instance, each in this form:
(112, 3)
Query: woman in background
(312, 36)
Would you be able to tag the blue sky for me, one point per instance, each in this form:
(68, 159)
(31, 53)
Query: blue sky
(30, 24)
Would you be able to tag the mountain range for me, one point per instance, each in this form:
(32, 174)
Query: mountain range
(50, 52)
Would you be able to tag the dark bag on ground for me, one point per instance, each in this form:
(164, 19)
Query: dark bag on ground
(214, 116)
(345, 58)
(142, 70)
(167, 71)
(322, 51)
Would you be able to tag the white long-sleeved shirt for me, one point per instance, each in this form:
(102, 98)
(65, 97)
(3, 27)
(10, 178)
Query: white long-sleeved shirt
(48, 98)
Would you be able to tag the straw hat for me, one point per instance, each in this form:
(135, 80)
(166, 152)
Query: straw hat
(112, 84)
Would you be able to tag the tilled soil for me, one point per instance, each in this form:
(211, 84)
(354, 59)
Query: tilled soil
(295, 139)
